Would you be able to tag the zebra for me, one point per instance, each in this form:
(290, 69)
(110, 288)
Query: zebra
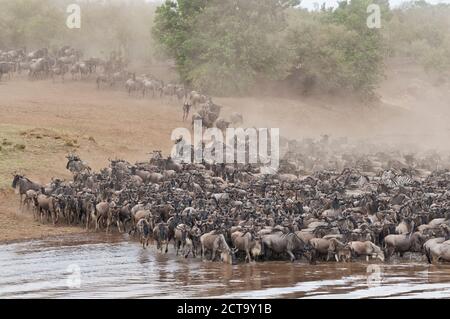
(392, 180)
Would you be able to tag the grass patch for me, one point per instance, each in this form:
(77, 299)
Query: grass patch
(35, 152)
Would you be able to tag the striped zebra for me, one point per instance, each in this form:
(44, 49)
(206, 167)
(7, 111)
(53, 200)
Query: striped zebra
(391, 179)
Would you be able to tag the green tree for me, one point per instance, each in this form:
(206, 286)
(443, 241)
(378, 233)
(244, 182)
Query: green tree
(35, 23)
(224, 46)
(365, 53)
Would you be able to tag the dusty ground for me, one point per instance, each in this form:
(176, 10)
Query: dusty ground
(41, 122)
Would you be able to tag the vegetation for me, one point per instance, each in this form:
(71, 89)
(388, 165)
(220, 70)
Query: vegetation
(421, 32)
(224, 46)
(230, 47)
(105, 26)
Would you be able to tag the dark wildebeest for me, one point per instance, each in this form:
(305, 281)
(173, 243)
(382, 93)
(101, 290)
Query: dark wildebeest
(5, 68)
(402, 243)
(23, 184)
(180, 236)
(143, 229)
(161, 235)
(162, 211)
(124, 217)
(279, 242)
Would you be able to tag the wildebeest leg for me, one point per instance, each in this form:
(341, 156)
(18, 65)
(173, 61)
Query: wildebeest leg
(118, 226)
(158, 245)
(248, 256)
(213, 254)
(387, 253)
(54, 215)
(367, 257)
(35, 212)
(291, 255)
(329, 255)
(41, 211)
(97, 222)
(108, 224)
(21, 203)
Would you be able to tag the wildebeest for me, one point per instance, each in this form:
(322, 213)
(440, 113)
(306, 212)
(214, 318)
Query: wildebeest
(39, 68)
(180, 236)
(153, 86)
(367, 249)
(248, 243)
(161, 235)
(143, 229)
(236, 118)
(75, 165)
(103, 78)
(279, 242)
(22, 184)
(6, 68)
(47, 205)
(134, 85)
(196, 98)
(403, 243)
(103, 214)
(60, 69)
(215, 242)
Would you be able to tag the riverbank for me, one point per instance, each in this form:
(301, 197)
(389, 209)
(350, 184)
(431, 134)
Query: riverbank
(17, 226)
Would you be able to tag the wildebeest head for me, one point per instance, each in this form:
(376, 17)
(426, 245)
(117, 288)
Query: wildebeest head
(16, 179)
(228, 256)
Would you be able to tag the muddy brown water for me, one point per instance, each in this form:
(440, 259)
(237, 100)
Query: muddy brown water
(100, 266)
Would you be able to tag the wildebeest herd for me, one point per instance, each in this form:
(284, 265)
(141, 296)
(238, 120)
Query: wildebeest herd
(42, 64)
(330, 200)
(112, 73)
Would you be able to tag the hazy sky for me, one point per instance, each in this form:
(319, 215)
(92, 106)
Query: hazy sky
(332, 3)
(310, 4)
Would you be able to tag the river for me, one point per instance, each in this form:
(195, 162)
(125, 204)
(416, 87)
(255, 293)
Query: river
(101, 266)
